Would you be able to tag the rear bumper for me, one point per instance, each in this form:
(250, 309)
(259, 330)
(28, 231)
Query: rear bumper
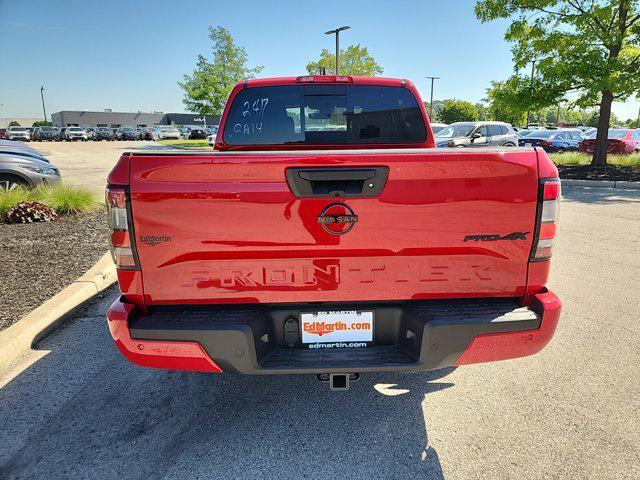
(409, 336)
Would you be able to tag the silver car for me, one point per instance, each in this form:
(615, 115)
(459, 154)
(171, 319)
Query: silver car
(477, 134)
(23, 167)
(18, 133)
(76, 133)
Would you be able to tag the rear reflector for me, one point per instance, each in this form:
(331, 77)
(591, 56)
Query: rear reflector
(121, 244)
(547, 220)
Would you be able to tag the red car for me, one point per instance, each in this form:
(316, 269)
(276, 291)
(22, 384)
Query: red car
(326, 235)
(620, 141)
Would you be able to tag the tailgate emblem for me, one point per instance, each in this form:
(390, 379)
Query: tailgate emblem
(337, 218)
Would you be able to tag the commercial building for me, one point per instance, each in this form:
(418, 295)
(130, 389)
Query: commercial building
(75, 118)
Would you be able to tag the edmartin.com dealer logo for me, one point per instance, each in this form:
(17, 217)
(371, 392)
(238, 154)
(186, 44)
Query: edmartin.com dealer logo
(338, 345)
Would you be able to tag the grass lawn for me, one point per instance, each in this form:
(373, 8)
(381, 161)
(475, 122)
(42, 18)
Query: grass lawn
(576, 158)
(186, 143)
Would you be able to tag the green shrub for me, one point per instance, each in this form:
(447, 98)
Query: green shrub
(9, 198)
(63, 199)
(66, 199)
(577, 158)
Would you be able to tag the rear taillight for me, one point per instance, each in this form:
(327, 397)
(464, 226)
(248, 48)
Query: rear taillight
(547, 219)
(123, 250)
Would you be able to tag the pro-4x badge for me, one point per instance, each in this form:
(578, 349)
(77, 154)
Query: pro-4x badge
(495, 237)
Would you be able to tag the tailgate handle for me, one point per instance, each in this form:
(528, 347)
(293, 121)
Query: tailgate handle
(307, 182)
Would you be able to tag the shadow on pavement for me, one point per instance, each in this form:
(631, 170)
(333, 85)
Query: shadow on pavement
(83, 412)
(599, 195)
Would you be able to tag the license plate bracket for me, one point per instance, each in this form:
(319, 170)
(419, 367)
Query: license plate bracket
(337, 329)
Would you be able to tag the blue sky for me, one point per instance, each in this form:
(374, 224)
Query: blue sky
(128, 56)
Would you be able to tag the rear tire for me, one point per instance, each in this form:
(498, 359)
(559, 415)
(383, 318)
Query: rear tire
(11, 182)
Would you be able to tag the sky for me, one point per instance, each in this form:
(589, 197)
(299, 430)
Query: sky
(128, 55)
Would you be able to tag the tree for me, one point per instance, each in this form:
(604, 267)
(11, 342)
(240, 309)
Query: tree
(355, 60)
(458, 111)
(437, 108)
(484, 111)
(42, 123)
(590, 46)
(207, 89)
(14, 123)
(507, 101)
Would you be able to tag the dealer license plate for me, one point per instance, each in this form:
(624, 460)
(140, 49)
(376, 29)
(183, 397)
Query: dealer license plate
(337, 329)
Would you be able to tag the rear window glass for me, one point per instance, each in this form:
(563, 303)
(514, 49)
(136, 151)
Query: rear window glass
(324, 114)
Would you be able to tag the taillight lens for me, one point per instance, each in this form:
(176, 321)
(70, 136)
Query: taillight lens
(547, 220)
(122, 247)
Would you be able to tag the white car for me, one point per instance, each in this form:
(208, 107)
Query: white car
(162, 132)
(18, 133)
(76, 133)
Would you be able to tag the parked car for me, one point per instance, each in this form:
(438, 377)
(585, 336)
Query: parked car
(274, 256)
(523, 132)
(126, 133)
(211, 138)
(91, 133)
(162, 132)
(619, 141)
(21, 168)
(193, 132)
(46, 133)
(18, 133)
(103, 133)
(436, 127)
(75, 133)
(562, 140)
(146, 133)
(3, 133)
(477, 134)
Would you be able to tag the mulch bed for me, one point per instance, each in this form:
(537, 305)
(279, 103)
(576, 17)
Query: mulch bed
(617, 173)
(40, 259)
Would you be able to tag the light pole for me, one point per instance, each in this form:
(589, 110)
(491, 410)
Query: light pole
(4, 117)
(337, 32)
(533, 67)
(43, 109)
(431, 101)
(637, 121)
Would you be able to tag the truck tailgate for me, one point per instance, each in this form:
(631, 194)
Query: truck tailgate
(226, 227)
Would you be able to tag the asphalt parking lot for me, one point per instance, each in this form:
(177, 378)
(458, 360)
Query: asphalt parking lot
(76, 409)
(87, 163)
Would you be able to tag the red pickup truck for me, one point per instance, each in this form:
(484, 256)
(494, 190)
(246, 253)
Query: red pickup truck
(325, 234)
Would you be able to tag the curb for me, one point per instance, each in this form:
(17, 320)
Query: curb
(39, 323)
(600, 183)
